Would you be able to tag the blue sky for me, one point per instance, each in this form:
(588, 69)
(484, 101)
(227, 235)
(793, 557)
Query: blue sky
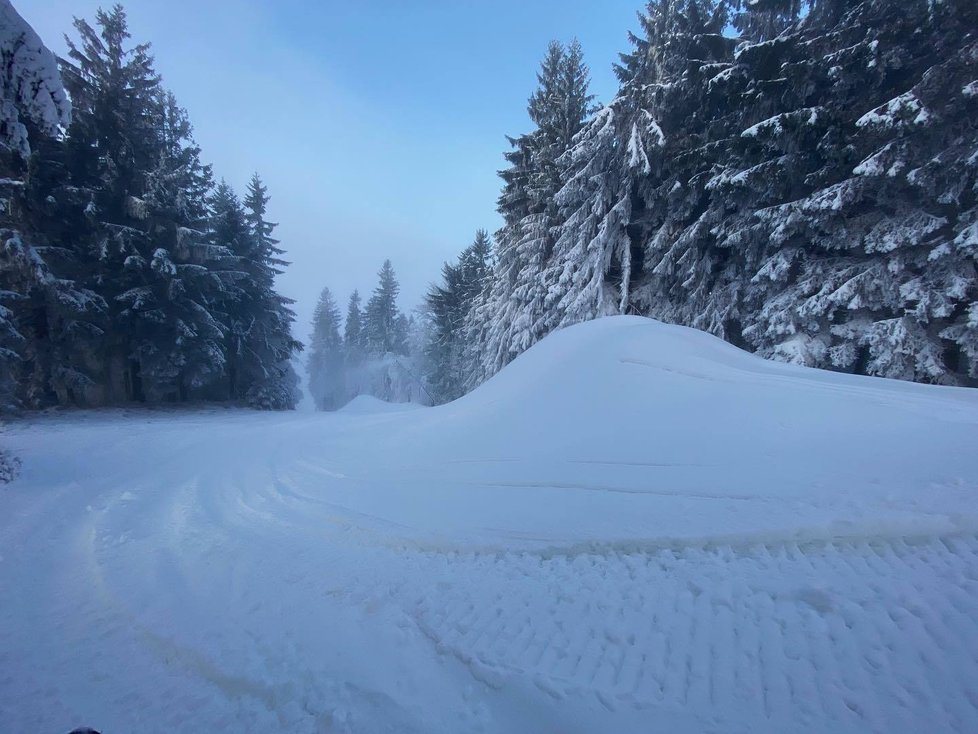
(378, 126)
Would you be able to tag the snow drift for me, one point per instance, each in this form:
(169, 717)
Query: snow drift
(626, 429)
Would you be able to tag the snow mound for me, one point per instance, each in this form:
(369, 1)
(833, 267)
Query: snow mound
(628, 430)
(368, 404)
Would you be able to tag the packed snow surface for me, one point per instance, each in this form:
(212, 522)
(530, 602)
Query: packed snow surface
(633, 528)
(366, 404)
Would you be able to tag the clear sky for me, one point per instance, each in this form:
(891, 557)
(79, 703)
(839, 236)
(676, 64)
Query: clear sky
(378, 125)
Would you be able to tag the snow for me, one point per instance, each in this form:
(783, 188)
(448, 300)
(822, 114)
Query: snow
(368, 404)
(31, 83)
(631, 523)
(890, 114)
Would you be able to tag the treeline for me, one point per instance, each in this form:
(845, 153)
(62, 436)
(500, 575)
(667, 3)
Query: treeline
(126, 272)
(373, 351)
(378, 350)
(798, 177)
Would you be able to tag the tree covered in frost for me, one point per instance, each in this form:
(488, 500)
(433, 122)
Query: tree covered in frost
(509, 317)
(378, 354)
(863, 258)
(447, 349)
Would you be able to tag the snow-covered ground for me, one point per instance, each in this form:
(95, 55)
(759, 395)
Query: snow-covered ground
(633, 528)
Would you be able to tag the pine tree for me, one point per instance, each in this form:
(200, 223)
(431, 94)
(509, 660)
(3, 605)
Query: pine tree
(353, 336)
(229, 237)
(448, 350)
(114, 141)
(32, 99)
(44, 312)
(509, 318)
(184, 351)
(384, 330)
(33, 105)
(326, 365)
(265, 317)
(866, 265)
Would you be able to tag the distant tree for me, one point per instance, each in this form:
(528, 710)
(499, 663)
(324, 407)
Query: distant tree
(448, 350)
(326, 365)
(383, 328)
(353, 331)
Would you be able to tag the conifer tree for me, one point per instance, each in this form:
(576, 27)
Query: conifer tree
(447, 350)
(266, 317)
(326, 365)
(353, 336)
(384, 331)
(509, 318)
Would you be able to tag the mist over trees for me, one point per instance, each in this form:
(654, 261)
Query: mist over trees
(127, 274)
(380, 352)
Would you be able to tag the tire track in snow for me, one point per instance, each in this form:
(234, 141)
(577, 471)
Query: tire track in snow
(878, 635)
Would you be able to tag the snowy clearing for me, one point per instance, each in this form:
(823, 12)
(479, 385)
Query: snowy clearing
(633, 528)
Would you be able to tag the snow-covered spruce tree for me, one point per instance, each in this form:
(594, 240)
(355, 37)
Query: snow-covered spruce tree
(509, 318)
(353, 335)
(867, 265)
(117, 149)
(326, 365)
(448, 305)
(383, 328)
(264, 317)
(40, 312)
(183, 352)
(690, 275)
(229, 237)
(619, 171)
(32, 98)
(809, 193)
(379, 359)
(32, 104)
(58, 317)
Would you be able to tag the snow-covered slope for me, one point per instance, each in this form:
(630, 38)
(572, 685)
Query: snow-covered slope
(629, 430)
(632, 528)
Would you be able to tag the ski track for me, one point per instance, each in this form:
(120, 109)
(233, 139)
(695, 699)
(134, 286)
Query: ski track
(842, 635)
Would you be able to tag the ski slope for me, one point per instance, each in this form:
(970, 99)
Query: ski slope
(633, 528)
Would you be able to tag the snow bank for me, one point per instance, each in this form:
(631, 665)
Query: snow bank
(628, 430)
